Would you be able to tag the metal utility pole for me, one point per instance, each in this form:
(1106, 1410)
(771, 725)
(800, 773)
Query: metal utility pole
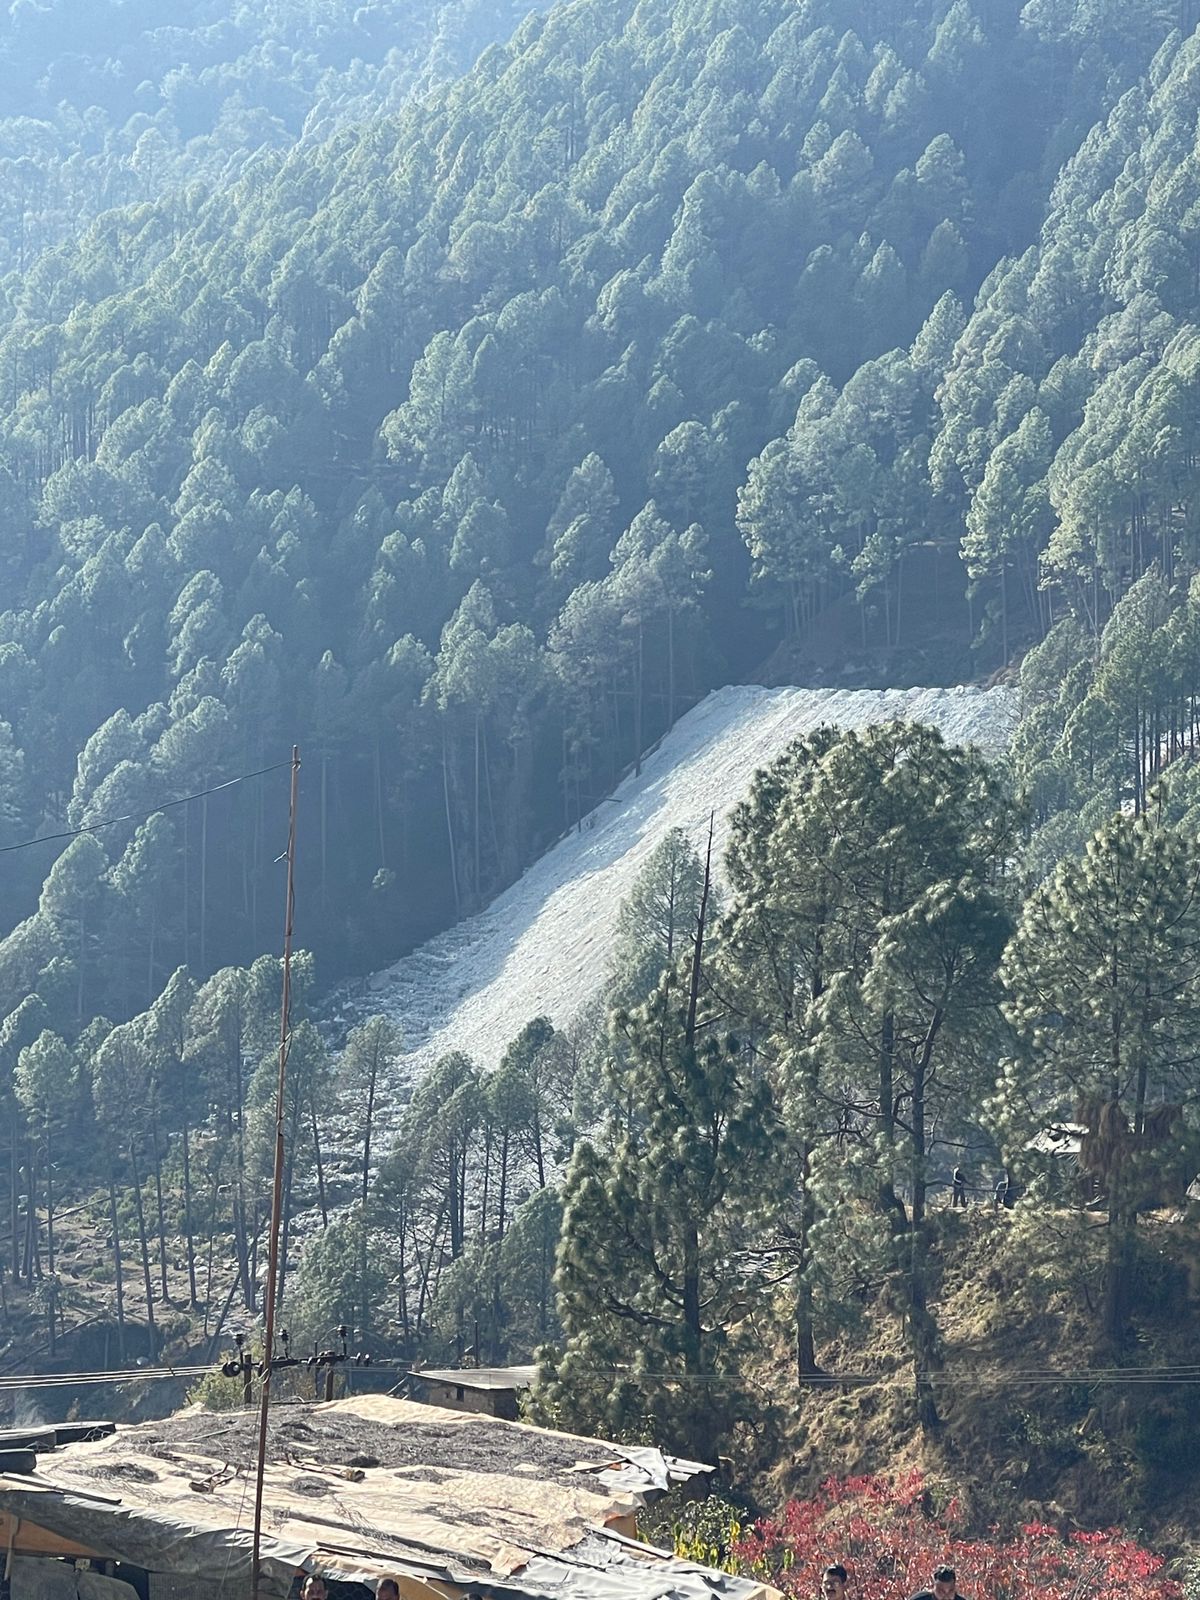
(285, 1030)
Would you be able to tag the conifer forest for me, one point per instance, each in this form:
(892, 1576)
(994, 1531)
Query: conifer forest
(462, 393)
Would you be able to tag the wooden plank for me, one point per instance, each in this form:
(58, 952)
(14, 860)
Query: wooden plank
(27, 1539)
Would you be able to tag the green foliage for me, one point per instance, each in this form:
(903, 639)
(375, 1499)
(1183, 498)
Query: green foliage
(449, 434)
(344, 1275)
(860, 953)
(657, 919)
(707, 1531)
(655, 1260)
(456, 468)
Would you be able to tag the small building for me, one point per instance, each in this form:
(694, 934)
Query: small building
(485, 1391)
(1086, 1157)
(1055, 1151)
(1059, 1140)
(452, 1506)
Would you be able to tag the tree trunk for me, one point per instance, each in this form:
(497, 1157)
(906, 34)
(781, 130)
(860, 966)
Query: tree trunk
(670, 666)
(254, 1236)
(806, 1353)
(637, 704)
(513, 811)
(366, 1166)
(249, 1285)
(450, 829)
(203, 876)
(52, 1287)
(888, 1201)
(187, 1210)
(316, 1137)
(456, 1242)
(1116, 1274)
(158, 1194)
(145, 1249)
(187, 888)
(402, 1308)
(212, 1235)
(475, 884)
(286, 1235)
(118, 1271)
(462, 1197)
(502, 1207)
(693, 1351)
(241, 1245)
(49, 1198)
(921, 1324)
(13, 1192)
(539, 1154)
(33, 1246)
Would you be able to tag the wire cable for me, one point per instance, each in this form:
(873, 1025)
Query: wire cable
(77, 1379)
(1013, 1378)
(140, 816)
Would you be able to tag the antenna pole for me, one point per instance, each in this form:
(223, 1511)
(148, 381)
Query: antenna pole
(285, 1032)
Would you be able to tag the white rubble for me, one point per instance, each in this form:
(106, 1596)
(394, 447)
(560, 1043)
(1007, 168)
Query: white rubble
(542, 947)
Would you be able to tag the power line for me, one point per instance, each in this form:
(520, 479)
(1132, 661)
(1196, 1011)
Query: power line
(65, 1380)
(140, 816)
(1174, 1375)
(1013, 1378)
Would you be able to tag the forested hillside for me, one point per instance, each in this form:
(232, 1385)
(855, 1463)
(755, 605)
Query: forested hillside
(428, 445)
(113, 102)
(465, 421)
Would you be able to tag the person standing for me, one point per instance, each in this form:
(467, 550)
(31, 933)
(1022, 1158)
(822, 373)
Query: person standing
(958, 1194)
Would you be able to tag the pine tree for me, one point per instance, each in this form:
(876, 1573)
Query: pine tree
(657, 919)
(370, 1050)
(656, 1214)
(1102, 983)
(44, 1079)
(861, 949)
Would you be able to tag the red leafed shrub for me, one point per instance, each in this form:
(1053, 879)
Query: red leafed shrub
(881, 1530)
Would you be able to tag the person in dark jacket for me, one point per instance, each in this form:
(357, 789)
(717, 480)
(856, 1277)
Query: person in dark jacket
(945, 1586)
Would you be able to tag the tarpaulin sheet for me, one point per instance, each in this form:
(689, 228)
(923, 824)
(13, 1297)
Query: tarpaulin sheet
(40, 1578)
(158, 1501)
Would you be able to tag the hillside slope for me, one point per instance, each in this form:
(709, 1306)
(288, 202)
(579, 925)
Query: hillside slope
(542, 947)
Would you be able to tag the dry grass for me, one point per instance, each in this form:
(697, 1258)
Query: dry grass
(1014, 1298)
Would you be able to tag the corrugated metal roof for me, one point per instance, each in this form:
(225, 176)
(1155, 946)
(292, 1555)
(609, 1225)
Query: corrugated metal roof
(478, 1377)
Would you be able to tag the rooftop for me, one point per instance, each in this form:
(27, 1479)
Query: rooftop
(360, 1488)
(478, 1377)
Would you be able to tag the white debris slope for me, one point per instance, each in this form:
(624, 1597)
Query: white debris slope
(542, 947)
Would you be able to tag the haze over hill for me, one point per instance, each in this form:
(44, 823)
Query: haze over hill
(467, 440)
